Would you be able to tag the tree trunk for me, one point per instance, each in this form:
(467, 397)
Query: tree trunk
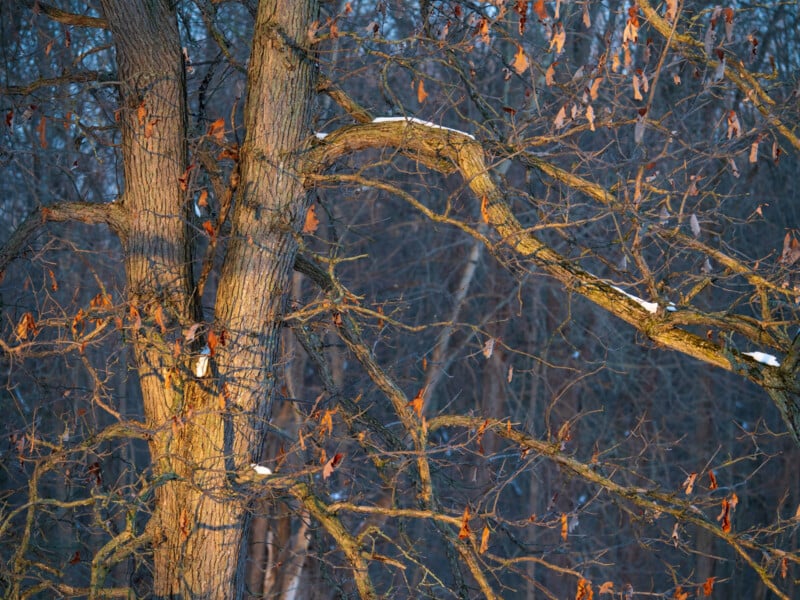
(203, 430)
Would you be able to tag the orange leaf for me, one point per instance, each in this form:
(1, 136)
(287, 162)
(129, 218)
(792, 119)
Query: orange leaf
(158, 315)
(421, 93)
(327, 470)
(540, 10)
(326, 422)
(564, 526)
(584, 590)
(708, 586)
(417, 402)
(183, 180)
(213, 340)
(607, 588)
(520, 63)
(485, 541)
(217, 130)
(483, 30)
(26, 325)
(202, 199)
(312, 222)
(679, 594)
(42, 129)
(209, 229)
(688, 484)
(485, 209)
(712, 480)
(141, 113)
(550, 73)
(464, 532)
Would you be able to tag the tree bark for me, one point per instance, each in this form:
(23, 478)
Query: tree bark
(201, 429)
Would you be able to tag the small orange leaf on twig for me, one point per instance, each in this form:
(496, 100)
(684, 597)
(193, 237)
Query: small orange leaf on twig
(520, 63)
(312, 222)
(607, 588)
(327, 470)
(485, 209)
(26, 325)
(485, 541)
(158, 315)
(708, 586)
(564, 526)
(326, 422)
(417, 403)
(584, 591)
(421, 93)
(209, 229)
(217, 130)
(464, 532)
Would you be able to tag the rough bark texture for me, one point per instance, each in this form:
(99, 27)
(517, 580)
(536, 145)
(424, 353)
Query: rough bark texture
(202, 430)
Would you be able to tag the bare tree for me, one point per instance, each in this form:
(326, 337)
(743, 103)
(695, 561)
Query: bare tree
(435, 402)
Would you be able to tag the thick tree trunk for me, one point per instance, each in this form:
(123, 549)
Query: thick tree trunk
(200, 433)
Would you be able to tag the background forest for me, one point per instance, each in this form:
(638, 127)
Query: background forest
(510, 360)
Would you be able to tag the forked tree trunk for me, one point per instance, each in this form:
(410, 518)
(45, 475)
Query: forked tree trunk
(204, 430)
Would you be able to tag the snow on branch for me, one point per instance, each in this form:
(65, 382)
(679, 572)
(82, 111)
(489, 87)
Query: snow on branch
(421, 122)
(763, 358)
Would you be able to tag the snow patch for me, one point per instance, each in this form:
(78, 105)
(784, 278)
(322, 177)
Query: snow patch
(321, 135)
(651, 307)
(763, 358)
(261, 469)
(421, 122)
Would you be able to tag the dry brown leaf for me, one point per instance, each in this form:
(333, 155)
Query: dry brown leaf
(561, 118)
(564, 526)
(590, 116)
(637, 94)
(548, 75)
(417, 403)
(464, 531)
(485, 541)
(488, 347)
(25, 326)
(311, 222)
(217, 130)
(631, 32)
(520, 63)
(485, 209)
(584, 591)
(329, 467)
(688, 484)
(559, 38)
(587, 19)
(326, 422)
(712, 485)
(753, 158)
(539, 9)
(606, 588)
(421, 93)
(593, 91)
(158, 315)
(734, 128)
(708, 586)
(679, 594)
